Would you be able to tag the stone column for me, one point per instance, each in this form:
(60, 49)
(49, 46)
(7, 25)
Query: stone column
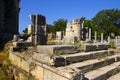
(101, 37)
(81, 30)
(108, 39)
(95, 36)
(90, 34)
(87, 33)
(116, 41)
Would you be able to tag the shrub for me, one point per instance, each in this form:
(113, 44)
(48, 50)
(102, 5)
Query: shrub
(112, 44)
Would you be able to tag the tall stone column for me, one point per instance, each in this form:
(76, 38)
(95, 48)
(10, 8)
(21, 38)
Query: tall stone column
(90, 34)
(39, 35)
(101, 37)
(95, 36)
(116, 41)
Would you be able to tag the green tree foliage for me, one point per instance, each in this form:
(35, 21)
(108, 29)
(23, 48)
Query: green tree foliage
(107, 21)
(25, 31)
(50, 28)
(58, 25)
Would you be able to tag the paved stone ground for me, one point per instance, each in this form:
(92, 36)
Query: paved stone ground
(115, 77)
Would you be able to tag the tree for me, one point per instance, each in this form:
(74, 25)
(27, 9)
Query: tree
(50, 28)
(25, 31)
(107, 21)
(60, 24)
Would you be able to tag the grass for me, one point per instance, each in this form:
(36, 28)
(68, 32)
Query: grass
(50, 42)
(112, 44)
(5, 62)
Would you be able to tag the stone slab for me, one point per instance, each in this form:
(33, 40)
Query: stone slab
(103, 46)
(90, 47)
(24, 44)
(57, 49)
(115, 77)
(104, 72)
(94, 47)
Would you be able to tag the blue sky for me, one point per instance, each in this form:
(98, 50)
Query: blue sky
(66, 9)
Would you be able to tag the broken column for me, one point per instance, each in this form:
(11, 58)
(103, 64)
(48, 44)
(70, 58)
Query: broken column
(39, 36)
(59, 35)
(73, 31)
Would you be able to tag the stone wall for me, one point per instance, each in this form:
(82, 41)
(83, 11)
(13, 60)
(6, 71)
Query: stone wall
(9, 12)
(26, 68)
(73, 31)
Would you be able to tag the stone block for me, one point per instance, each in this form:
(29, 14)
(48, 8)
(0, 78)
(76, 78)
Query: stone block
(70, 40)
(57, 49)
(24, 44)
(103, 46)
(90, 47)
(49, 75)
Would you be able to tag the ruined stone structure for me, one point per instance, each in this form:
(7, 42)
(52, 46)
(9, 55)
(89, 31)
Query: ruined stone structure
(64, 62)
(9, 12)
(61, 62)
(59, 35)
(73, 31)
(37, 29)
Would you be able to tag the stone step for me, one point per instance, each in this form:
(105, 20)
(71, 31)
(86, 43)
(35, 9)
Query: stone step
(88, 65)
(57, 49)
(104, 72)
(115, 77)
(78, 57)
(95, 46)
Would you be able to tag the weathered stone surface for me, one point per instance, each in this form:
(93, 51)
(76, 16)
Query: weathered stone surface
(103, 46)
(90, 47)
(73, 31)
(104, 72)
(15, 38)
(9, 12)
(59, 35)
(94, 47)
(24, 44)
(38, 29)
(57, 49)
(38, 64)
(78, 57)
(114, 77)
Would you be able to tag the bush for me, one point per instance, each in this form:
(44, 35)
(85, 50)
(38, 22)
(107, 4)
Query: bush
(50, 42)
(112, 44)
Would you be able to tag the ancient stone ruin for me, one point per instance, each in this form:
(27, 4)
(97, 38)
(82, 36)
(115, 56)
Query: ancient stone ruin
(33, 59)
(73, 31)
(9, 16)
(9, 12)
(37, 29)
